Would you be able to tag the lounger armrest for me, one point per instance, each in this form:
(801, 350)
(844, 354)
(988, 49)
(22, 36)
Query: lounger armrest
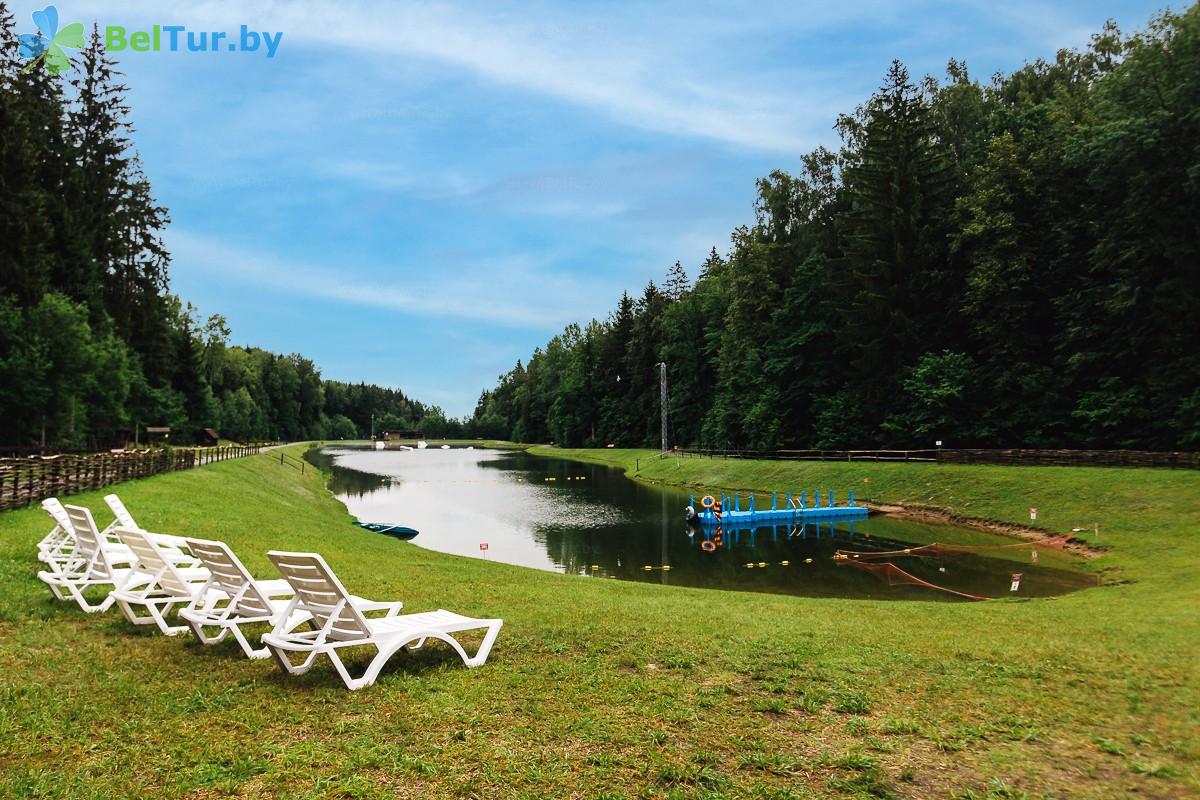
(363, 605)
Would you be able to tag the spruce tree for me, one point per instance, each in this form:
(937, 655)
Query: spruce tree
(895, 285)
(25, 229)
(676, 283)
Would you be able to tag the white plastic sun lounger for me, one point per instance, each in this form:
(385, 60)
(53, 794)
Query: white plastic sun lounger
(157, 584)
(337, 622)
(246, 600)
(123, 519)
(91, 561)
(56, 548)
(60, 541)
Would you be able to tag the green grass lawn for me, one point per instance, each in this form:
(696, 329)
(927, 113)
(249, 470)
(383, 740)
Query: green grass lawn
(612, 689)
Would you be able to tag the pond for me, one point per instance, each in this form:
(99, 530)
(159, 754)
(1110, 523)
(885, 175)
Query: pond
(565, 516)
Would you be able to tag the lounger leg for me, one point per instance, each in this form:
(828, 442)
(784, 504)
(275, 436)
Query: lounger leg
(198, 632)
(373, 669)
(156, 611)
(251, 652)
(368, 677)
(299, 669)
(485, 647)
(76, 592)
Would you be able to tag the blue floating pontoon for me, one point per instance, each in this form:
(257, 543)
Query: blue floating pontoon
(795, 511)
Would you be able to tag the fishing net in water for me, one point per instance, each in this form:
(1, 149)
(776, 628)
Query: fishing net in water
(895, 576)
(937, 550)
(868, 560)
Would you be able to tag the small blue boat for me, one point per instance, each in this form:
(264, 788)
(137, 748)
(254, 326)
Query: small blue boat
(398, 531)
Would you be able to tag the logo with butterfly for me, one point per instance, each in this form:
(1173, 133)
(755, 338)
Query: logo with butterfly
(48, 43)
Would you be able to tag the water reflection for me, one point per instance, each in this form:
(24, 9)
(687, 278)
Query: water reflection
(569, 517)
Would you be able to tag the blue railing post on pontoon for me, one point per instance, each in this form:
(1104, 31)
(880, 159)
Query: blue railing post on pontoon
(795, 512)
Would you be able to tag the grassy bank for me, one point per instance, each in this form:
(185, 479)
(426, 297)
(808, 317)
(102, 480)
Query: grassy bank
(601, 688)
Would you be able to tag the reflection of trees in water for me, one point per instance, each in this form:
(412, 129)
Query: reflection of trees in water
(343, 480)
(655, 534)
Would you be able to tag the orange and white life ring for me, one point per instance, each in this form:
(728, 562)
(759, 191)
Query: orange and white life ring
(707, 501)
(708, 546)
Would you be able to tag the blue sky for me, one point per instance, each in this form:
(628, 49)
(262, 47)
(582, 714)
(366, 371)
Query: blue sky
(418, 194)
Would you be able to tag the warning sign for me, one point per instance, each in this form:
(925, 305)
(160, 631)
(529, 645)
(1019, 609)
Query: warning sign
(483, 545)
(1033, 513)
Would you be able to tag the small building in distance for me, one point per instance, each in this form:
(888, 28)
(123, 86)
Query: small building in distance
(395, 436)
(156, 435)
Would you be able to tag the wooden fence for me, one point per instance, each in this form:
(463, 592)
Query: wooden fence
(28, 479)
(1073, 458)
(1024, 457)
(816, 455)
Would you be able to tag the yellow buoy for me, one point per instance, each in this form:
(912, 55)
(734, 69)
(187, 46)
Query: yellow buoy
(666, 567)
(784, 563)
(808, 561)
(749, 566)
(647, 568)
(762, 563)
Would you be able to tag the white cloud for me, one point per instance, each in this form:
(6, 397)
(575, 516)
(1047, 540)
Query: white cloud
(514, 291)
(626, 69)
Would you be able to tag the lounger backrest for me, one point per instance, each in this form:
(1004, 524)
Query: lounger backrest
(150, 559)
(319, 592)
(124, 518)
(56, 511)
(231, 575)
(87, 537)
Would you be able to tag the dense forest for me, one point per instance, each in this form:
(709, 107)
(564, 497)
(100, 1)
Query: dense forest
(1009, 263)
(92, 343)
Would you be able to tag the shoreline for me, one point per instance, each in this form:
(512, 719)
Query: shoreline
(935, 514)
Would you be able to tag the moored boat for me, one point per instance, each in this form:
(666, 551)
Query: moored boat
(398, 531)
